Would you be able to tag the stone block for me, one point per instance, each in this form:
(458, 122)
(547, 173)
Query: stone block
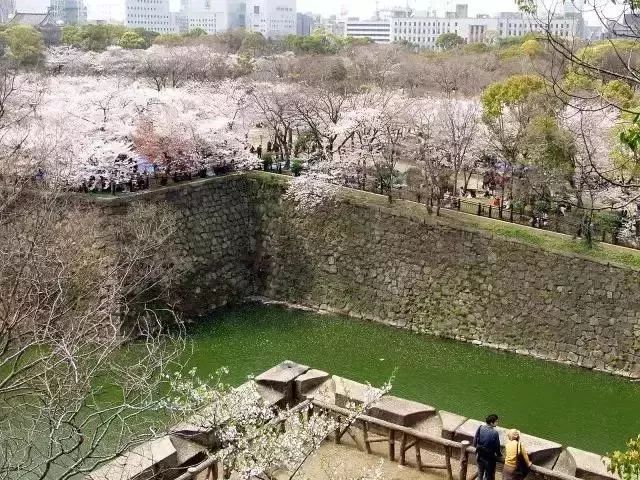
(541, 452)
(400, 411)
(348, 391)
(586, 465)
(450, 423)
(309, 381)
(188, 452)
(142, 463)
(468, 429)
(281, 378)
(274, 397)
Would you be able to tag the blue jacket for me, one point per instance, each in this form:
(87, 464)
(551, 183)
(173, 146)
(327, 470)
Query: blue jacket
(487, 443)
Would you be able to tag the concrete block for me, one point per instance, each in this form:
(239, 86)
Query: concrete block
(348, 391)
(400, 411)
(586, 465)
(188, 452)
(272, 397)
(281, 378)
(142, 463)
(310, 380)
(468, 429)
(450, 423)
(542, 452)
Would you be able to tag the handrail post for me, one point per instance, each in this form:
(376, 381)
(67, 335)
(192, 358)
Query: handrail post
(447, 458)
(392, 445)
(365, 435)
(479, 209)
(464, 460)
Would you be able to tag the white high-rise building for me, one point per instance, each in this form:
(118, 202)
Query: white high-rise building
(423, 29)
(272, 18)
(108, 11)
(378, 31)
(214, 16)
(154, 15)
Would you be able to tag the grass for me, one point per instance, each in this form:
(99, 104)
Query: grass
(544, 239)
(555, 242)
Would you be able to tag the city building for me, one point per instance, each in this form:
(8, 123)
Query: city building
(152, 15)
(63, 12)
(305, 24)
(332, 24)
(69, 12)
(106, 11)
(628, 26)
(379, 31)
(272, 18)
(593, 33)
(512, 24)
(214, 16)
(423, 29)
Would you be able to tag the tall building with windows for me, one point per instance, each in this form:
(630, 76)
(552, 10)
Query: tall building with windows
(69, 12)
(272, 18)
(152, 15)
(423, 30)
(379, 31)
(214, 16)
(304, 24)
(65, 12)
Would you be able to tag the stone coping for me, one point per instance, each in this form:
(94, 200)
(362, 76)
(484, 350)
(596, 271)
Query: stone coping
(290, 383)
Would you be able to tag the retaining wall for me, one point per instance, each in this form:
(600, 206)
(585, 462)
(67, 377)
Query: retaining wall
(238, 236)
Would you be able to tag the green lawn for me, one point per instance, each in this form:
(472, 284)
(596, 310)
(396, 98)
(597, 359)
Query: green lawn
(556, 242)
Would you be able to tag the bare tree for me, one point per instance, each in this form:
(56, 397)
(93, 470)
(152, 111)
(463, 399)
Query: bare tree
(458, 124)
(276, 104)
(75, 284)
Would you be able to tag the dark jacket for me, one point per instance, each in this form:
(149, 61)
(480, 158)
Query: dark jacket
(487, 443)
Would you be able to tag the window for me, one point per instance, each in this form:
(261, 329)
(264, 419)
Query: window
(256, 9)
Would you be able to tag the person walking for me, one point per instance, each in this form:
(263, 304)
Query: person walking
(487, 444)
(516, 459)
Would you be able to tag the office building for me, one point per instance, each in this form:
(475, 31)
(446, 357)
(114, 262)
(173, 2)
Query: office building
(379, 31)
(305, 24)
(272, 18)
(69, 12)
(423, 30)
(152, 15)
(214, 16)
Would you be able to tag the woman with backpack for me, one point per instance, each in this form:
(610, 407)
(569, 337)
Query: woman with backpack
(516, 459)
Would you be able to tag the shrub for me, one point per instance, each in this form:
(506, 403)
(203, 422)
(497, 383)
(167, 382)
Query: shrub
(267, 161)
(296, 167)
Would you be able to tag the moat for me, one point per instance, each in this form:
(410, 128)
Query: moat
(577, 407)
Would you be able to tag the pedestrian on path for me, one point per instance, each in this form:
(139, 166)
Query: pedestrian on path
(516, 459)
(487, 443)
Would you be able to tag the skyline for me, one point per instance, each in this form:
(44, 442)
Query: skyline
(356, 8)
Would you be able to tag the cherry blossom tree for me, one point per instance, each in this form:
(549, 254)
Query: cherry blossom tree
(246, 434)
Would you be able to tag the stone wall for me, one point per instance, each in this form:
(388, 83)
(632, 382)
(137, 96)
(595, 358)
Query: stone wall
(432, 276)
(237, 236)
(213, 245)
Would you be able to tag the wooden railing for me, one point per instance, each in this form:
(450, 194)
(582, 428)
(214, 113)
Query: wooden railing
(408, 438)
(411, 438)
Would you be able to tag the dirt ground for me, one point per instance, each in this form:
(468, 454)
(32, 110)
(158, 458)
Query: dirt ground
(342, 462)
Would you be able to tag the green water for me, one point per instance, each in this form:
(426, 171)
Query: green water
(572, 406)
